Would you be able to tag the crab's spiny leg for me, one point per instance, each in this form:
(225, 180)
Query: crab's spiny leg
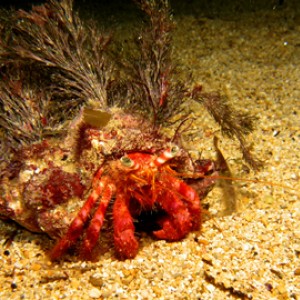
(188, 195)
(177, 224)
(93, 231)
(126, 244)
(77, 224)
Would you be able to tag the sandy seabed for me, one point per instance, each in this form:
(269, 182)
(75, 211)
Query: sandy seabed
(253, 57)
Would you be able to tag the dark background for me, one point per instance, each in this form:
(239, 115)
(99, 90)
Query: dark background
(212, 7)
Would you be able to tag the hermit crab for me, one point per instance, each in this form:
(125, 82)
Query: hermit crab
(82, 127)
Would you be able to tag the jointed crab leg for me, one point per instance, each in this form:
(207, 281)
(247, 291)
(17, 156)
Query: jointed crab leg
(93, 231)
(126, 244)
(76, 227)
(187, 195)
(177, 224)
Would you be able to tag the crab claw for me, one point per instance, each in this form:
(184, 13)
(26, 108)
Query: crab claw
(177, 224)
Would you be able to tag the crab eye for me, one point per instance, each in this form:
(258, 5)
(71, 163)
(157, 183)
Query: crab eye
(126, 161)
(174, 150)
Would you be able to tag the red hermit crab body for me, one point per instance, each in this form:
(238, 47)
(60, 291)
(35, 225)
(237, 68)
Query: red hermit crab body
(140, 182)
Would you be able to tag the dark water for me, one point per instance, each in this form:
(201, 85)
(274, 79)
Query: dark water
(110, 9)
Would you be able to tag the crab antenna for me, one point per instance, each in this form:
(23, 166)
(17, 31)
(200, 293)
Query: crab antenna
(165, 156)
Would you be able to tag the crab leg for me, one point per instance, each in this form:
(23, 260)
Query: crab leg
(188, 196)
(93, 231)
(177, 224)
(194, 204)
(77, 224)
(126, 244)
